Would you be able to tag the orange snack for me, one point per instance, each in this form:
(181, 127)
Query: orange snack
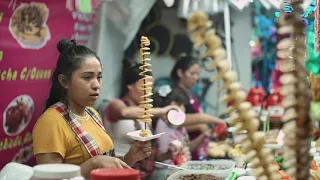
(284, 176)
(276, 165)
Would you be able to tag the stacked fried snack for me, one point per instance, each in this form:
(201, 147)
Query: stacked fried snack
(296, 101)
(242, 115)
(146, 86)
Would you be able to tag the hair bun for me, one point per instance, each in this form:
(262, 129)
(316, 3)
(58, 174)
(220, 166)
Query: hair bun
(65, 45)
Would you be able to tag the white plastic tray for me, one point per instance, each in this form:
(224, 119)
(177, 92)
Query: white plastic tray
(176, 175)
(229, 164)
(135, 135)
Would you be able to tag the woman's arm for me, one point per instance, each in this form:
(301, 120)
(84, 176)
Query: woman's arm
(194, 144)
(46, 158)
(163, 156)
(197, 128)
(136, 111)
(118, 110)
(198, 118)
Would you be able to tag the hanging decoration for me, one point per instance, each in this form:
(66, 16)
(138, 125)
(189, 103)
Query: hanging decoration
(315, 104)
(312, 64)
(275, 3)
(317, 26)
(309, 10)
(256, 53)
(82, 6)
(210, 7)
(169, 3)
(266, 34)
(266, 4)
(239, 4)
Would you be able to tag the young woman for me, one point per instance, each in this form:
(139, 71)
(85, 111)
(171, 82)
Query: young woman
(184, 75)
(70, 131)
(121, 114)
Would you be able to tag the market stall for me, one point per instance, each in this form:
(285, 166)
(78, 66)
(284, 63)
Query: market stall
(269, 132)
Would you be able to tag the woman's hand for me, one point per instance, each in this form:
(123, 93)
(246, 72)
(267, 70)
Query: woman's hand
(164, 156)
(138, 151)
(203, 128)
(109, 162)
(101, 162)
(216, 120)
(166, 109)
(207, 133)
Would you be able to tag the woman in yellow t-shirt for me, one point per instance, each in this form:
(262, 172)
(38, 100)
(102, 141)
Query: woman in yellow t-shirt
(69, 131)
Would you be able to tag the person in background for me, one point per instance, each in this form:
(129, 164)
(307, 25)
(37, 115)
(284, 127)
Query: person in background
(70, 131)
(120, 115)
(175, 141)
(184, 75)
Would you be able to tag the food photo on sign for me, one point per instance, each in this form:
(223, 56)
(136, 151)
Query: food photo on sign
(28, 25)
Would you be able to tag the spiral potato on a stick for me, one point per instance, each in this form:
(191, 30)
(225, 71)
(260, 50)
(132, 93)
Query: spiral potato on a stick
(146, 86)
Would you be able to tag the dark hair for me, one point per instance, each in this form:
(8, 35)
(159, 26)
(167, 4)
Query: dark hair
(184, 63)
(70, 59)
(130, 74)
(163, 101)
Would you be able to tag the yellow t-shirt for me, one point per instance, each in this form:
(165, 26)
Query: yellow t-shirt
(52, 134)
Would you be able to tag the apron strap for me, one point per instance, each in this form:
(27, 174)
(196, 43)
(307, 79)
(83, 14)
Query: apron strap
(88, 142)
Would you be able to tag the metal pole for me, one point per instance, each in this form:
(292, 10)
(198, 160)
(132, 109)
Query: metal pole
(227, 29)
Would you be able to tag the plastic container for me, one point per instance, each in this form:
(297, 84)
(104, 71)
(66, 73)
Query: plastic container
(239, 171)
(115, 174)
(57, 172)
(228, 164)
(317, 160)
(240, 161)
(247, 178)
(15, 171)
(176, 175)
(176, 117)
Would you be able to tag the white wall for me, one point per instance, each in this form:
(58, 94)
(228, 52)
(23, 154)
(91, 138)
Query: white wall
(241, 33)
(115, 27)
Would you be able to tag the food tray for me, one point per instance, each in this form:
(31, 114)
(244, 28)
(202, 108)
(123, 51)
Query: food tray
(176, 175)
(228, 164)
(136, 136)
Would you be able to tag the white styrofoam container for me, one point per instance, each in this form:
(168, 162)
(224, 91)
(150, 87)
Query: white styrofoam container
(229, 164)
(176, 175)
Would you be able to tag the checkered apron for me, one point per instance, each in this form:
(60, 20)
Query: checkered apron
(88, 142)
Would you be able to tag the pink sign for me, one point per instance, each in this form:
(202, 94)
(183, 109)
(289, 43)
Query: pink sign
(29, 33)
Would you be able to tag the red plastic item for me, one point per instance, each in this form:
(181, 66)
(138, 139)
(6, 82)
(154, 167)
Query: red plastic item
(255, 97)
(180, 158)
(115, 174)
(274, 106)
(219, 132)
